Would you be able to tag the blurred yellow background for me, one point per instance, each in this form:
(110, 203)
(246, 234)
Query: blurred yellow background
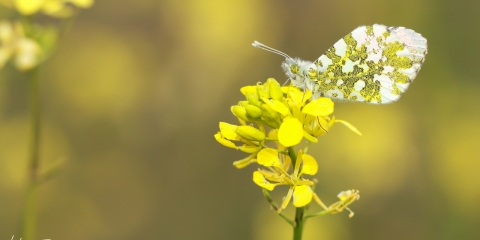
(134, 93)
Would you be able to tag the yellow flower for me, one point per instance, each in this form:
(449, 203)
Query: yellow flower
(56, 8)
(292, 117)
(290, 132)
(277, 174)
(14, 43)
(251, 138)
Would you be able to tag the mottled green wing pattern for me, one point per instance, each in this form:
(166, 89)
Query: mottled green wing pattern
(372, 64)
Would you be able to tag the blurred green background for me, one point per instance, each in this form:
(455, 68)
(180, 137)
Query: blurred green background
(135, 91)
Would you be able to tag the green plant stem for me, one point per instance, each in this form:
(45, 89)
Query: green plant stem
(322, 213)
(300, 212)
(299, 222)
(275, 207)
(293, 155)
(30, 209)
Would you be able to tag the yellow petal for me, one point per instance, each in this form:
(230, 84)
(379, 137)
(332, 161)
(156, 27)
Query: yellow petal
(228, 131)
(295, 94)
(27, 7)
(244, 162)
(260, 180)
(249, 149)
(248, 89)
(307, 95)
(310, 166)
(309, 137)
(224, 141)
(321, 126)
(290, 132)
(6, 31)
(82, 3)
(298, 163)
(268, 157)
(287, 198)
(277, 106)
(319, 107)
(273, 133)
(302, 196)
(350, 126)
(53, 6)
(274, 89)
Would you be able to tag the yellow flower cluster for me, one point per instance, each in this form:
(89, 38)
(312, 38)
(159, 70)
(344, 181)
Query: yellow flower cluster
(54, 8)
(13, 43)
(28, 43)
(292, 117)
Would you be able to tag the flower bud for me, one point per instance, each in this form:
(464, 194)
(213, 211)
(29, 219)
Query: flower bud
(254, 99)
(275, 89)
(248, 90)
(253, 111)
(262, 91)
(250, 133)
(241, 113)
(269, 114)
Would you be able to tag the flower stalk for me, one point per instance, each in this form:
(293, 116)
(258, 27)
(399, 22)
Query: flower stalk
(30, 209)
(300, 221)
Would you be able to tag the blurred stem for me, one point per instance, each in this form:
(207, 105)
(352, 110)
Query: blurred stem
(30, 209)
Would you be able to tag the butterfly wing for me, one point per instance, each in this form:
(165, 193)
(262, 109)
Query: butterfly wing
(372, 64)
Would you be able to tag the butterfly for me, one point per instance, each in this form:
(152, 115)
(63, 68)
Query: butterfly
(372, 64)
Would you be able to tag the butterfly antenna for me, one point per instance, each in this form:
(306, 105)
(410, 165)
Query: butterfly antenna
(267, 48)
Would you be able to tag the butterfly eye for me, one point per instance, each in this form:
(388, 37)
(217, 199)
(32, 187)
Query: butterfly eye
(294, 68)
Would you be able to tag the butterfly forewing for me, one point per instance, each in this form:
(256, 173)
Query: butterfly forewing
(372, 64)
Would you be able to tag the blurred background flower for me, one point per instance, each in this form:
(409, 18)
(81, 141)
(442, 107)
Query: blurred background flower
(55, 8)
(136, 83)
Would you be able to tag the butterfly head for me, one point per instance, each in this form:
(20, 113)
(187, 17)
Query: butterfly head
(301, 73)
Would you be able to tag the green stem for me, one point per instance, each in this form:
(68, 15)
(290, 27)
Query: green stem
(300, 212)
(30, 209)
(300, 221)
(322, 213)
(293, 155)
(275, 208)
